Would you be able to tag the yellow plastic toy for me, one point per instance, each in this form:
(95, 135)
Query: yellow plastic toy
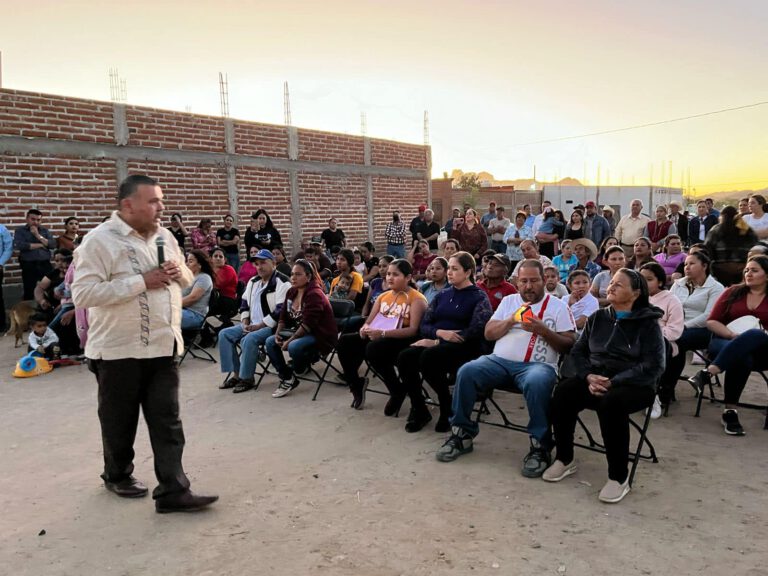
(30, 366)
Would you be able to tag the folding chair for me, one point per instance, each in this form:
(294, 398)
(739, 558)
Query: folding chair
(192, 348)
(343, 310)
(634, 457)
(483, 413)
(262, 365)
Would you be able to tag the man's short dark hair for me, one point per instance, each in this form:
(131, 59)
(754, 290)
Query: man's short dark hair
(368, 246)
(129, 186)
(531, 263)
(34, 212)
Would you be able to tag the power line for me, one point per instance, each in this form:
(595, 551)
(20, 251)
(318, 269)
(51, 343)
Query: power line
(648, 125)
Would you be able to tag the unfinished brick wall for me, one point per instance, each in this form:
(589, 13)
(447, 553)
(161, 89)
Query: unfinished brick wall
(65, 156)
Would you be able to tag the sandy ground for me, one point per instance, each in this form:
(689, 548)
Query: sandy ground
(317, 488)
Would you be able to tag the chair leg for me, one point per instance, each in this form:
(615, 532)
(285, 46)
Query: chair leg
(321, 378)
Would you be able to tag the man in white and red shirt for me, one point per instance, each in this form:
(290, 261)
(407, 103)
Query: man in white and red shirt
(525, 356)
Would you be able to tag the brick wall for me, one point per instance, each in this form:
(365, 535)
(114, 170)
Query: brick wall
(65, 157)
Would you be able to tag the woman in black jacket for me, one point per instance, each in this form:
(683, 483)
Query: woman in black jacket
(617, 361)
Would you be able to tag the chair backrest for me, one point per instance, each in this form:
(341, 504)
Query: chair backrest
(342, 308)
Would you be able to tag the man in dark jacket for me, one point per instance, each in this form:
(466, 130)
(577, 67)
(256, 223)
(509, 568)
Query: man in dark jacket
(263, 299)
(34, 244)
(701, 224)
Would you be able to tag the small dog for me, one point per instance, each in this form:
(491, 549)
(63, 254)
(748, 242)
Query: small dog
(20, 314)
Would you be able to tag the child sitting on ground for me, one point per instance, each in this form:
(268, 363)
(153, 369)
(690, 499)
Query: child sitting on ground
(42, 339)
(341, 290)
(552, 282)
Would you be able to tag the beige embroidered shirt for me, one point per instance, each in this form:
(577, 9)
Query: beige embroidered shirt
(125, 319)
(630, 229)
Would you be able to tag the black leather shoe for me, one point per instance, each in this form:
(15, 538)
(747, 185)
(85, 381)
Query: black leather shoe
(244, 386)
(230, 383)
(128, 488)
(183, 502)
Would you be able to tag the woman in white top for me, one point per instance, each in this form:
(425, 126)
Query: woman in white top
(757, 219)
(615, 260)
(697, 291)
(671, 322)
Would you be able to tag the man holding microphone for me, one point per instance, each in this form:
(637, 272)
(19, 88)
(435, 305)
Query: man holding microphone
(129, 275)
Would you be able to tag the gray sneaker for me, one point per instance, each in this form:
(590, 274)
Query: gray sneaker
(285, 387)
(536, 461)
(460, 442)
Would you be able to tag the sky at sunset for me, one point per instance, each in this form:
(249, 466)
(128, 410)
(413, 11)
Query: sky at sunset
(493, 75)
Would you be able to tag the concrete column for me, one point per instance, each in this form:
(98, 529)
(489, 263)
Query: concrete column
(232, 191)
(293, 177)
(368, 186)
(121, 170)
(120, 124)
(429, 175)
(293, 143)
(229, 136)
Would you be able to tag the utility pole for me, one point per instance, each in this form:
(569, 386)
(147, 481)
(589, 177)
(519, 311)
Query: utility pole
(426, 128)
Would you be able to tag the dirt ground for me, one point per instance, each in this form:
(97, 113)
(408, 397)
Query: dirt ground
(318, 488)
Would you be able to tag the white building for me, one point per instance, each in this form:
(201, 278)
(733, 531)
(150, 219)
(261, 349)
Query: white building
(618, 197)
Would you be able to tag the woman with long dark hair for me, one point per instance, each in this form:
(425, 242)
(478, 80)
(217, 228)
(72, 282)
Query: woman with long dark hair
(604, 245)
(305, 330)
(697, 291)
(738, 350)
(203, 237)
(391, 326)
(471, 235)
(195, 297)
(262, 232)
(728, 244)
(641, 253)
(451, 335)
(617, 361)
(575, 227)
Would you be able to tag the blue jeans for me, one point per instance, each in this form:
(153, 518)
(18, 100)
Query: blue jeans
(245, 364)
(302, 351)
(396, 250)
(191, 320)
(57, 319)
(534, 379)
(737, 358)
(233, 260)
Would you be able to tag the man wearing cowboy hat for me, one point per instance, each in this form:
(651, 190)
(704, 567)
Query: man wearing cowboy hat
(586, 252)
(679, 220)
(608, 215)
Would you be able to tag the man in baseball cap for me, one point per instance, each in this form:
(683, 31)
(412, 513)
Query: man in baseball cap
(262, 301)
(416, 223)
(494, 283)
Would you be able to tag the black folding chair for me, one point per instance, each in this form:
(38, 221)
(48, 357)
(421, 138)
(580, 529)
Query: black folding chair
(343, 311)
(483, 417)
(262, 365)
(634, 457)
(193, 348)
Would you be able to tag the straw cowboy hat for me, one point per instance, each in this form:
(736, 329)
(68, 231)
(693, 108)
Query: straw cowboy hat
(588, 244)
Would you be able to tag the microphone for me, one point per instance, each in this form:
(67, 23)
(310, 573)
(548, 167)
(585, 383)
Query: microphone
(160, 242)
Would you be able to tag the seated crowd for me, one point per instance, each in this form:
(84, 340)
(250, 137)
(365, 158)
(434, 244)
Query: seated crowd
(583, 317)
(588, 313)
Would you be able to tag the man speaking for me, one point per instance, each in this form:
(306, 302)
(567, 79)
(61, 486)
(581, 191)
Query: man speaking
(133, 297)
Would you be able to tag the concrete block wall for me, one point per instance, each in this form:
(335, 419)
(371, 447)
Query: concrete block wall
(65, 156)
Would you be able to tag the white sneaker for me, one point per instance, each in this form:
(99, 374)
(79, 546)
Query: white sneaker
(285, 387)
(656, 409)
(614, 492)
